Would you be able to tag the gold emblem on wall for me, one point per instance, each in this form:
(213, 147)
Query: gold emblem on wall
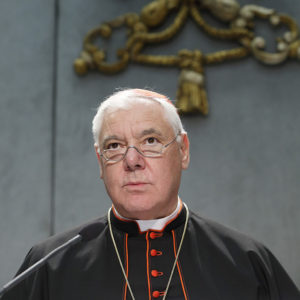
(191, 94)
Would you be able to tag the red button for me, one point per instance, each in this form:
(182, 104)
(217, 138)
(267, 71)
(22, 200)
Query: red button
(154, 235)
(156, 294)
(153, 252)
(156, 273)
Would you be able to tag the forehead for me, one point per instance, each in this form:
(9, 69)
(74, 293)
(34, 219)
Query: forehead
(133, 120)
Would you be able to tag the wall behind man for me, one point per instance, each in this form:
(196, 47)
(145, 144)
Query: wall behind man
(245, 164)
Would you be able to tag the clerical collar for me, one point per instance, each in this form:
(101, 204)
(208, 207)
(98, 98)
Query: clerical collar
(156, 224)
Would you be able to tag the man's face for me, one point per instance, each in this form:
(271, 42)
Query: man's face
(142, 187)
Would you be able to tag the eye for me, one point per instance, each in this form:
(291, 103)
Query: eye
(113, 146)
(151, 141)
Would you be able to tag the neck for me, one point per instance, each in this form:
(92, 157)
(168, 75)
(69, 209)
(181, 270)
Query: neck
(154, 224)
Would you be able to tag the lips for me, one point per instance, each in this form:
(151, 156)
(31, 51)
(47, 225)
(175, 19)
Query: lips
(135, 186)
(135, 183)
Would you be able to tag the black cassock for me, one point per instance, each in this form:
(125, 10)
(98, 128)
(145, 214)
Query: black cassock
(215, 263)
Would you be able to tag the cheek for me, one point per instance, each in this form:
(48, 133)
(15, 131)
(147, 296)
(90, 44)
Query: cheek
(110, 176)
(168, 174)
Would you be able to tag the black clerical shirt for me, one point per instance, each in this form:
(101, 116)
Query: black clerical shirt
(215, 263)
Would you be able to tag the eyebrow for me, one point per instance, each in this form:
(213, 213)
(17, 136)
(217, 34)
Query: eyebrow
(143, 133)
(150, 131)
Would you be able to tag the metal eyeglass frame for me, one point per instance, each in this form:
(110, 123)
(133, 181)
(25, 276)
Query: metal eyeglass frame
(139, 151)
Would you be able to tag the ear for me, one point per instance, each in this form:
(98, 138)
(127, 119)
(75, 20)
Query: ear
(97, 150)
(185, 151)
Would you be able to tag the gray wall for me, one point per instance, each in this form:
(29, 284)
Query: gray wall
(245, 166)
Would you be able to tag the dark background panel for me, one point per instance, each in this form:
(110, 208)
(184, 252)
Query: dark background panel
(26, 67)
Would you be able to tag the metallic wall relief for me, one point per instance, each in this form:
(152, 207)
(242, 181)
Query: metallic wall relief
(191, 94)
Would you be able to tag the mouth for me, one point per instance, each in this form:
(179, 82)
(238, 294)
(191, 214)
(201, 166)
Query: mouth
(136, 187)
(134, 184)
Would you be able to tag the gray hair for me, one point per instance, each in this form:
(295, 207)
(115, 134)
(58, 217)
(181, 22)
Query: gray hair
(125, 98)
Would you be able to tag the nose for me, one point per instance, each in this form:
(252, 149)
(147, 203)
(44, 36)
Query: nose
(133, 160)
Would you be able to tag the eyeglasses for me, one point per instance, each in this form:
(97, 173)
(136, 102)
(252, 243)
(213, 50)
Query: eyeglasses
(151, 147)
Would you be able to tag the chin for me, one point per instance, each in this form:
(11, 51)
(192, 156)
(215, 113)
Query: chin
(139, 208)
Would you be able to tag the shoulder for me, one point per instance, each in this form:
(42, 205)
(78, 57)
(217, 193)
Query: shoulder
(240, 254)
(224, 236)
(41, 249)
(227, 244)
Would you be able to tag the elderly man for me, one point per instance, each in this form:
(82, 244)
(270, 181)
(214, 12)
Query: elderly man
(149, 245)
